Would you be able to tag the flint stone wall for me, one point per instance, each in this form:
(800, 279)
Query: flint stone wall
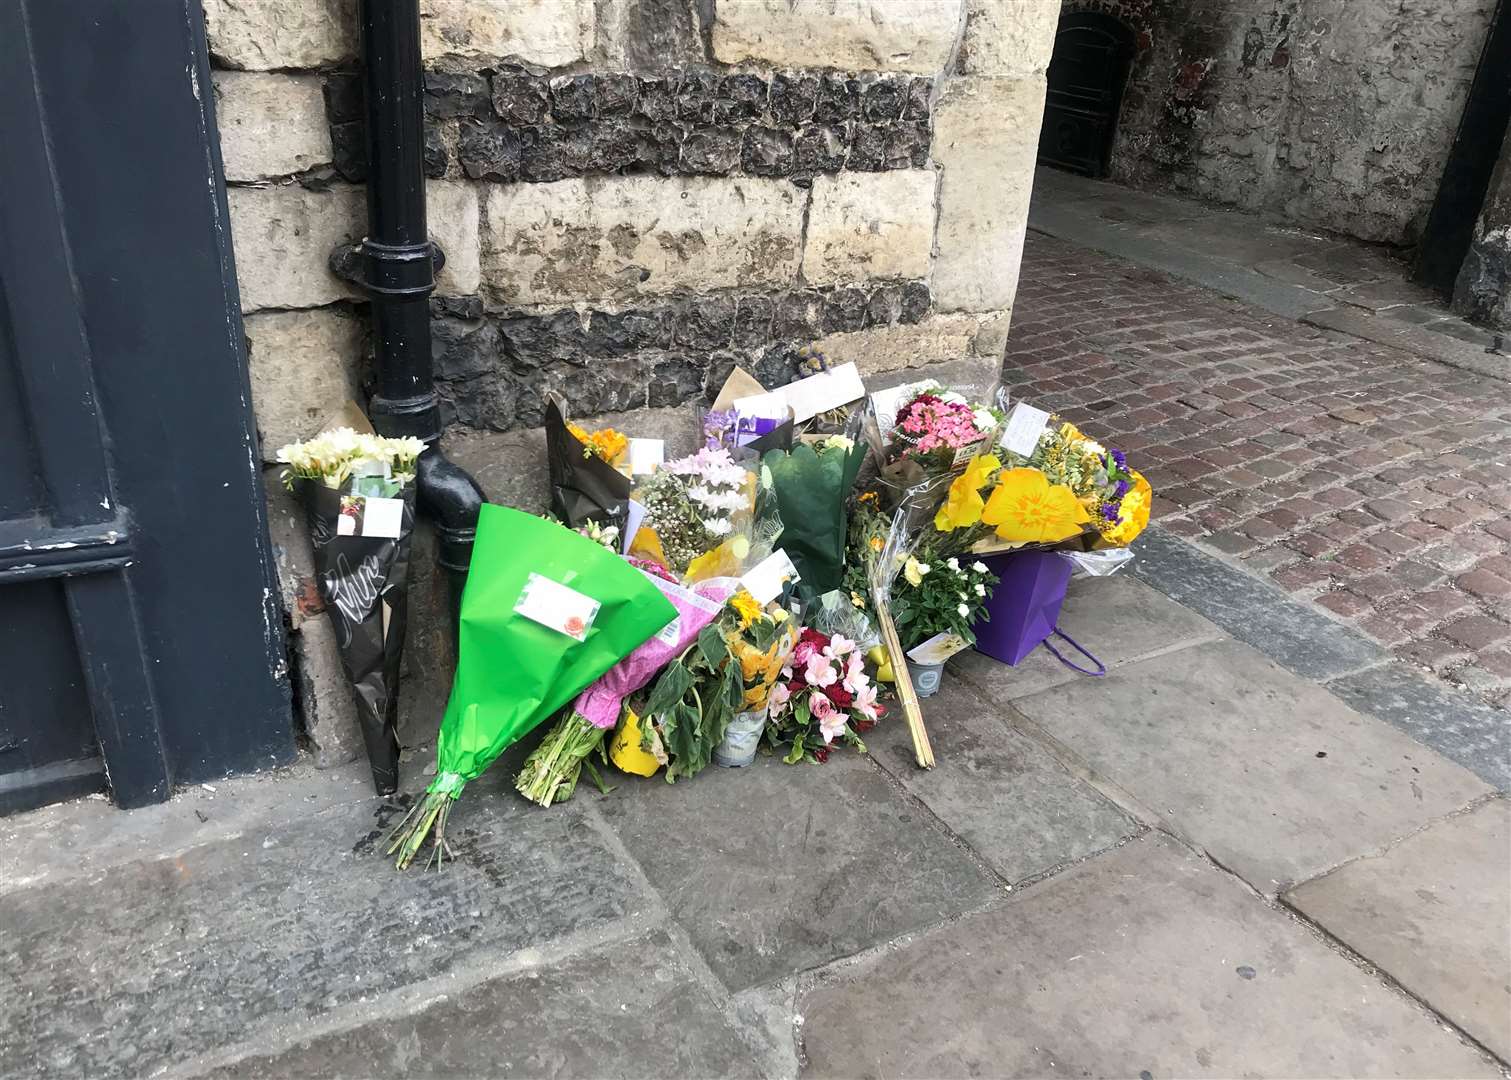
(633, 196)
(1335, 114)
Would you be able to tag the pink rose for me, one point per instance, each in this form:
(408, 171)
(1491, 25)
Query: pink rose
(777, 699)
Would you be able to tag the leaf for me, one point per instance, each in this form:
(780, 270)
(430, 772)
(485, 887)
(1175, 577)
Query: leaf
(670, 688)
(796, 753)
(712, 646)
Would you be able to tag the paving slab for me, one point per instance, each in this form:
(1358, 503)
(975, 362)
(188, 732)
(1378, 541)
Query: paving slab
(1277, 779)
(775, 868)
(632, 1009)
(1299, 637)
(1400, 334)
(1456, 725)
(160, 960)
(998, 790)
(1119, 619)
(1145, 961)
(1434, 912)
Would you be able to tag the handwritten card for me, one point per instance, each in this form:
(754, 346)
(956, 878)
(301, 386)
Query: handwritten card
(646, 456)
(764, 581)
(1020, 435)
(824, 391)
(553, 605)
(937, 649)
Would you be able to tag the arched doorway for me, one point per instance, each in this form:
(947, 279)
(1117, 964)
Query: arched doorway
(1086, 78)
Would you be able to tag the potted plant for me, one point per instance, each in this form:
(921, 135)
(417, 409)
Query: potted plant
(935, 602)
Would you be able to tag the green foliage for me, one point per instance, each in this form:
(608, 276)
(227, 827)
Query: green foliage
(692, 703)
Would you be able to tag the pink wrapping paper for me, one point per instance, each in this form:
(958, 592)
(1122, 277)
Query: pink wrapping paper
(599, 704)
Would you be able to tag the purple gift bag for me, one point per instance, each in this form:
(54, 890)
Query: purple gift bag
(1025, 604)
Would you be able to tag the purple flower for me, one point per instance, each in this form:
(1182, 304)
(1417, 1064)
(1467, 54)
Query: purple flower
(717, 424)
(1120, 490)
(1119, 459)
(1110, 511)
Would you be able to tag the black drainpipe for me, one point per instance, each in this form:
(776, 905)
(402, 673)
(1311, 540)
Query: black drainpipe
(397, 267)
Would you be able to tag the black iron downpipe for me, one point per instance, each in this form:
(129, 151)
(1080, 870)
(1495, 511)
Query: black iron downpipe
(398, 265)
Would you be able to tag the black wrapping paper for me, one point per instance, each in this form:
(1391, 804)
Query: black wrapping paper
(584, 487)
(364, 582)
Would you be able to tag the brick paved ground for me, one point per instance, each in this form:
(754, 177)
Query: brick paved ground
(1372, 482)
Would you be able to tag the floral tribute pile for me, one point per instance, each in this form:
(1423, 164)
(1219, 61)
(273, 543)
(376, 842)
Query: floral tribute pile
(771, 593)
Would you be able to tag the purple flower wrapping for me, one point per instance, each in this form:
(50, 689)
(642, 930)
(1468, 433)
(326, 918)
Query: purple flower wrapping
(600, 703)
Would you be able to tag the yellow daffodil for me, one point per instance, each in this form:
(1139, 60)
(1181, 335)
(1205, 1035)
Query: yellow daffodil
(1133, 513)
(914, 570)
(747, 607)
(1026, 508)
(964, 503)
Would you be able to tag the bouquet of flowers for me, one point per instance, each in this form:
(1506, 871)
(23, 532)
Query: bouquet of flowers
(922, 436)
(811, 484)
(824, 695)
(358, 493)
(550, 773)
(586, 484)
(730, 669)
(545, 613)
(1070, 490)
(698, 513)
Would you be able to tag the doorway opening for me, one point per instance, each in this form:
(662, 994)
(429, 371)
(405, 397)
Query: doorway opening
(1087, 74)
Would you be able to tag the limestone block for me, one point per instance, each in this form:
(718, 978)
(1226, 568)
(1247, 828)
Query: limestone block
(326, 704)
(259, 35)
(270, 125)
(648, 35)
(621, 237)
(303, 367)
(546, 32)
(889, 348)
(283, 237)
(1008, 37)
(451, 214)
(986, 137)
(870, 225)
(852, 35)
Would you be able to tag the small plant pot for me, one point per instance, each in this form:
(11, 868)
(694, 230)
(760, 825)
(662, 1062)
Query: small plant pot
(741, 740)
(926, 678)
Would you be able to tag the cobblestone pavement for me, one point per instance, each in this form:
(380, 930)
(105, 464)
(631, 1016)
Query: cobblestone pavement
(1365, 479)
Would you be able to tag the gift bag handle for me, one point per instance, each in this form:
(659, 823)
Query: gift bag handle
(1101, 667)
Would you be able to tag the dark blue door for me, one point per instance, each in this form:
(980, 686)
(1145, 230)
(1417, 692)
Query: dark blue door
(140, 638)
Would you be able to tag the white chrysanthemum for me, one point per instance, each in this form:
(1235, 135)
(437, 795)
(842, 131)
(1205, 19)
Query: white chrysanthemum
(964, 611)
(717, 526)
(953, 563)
(980, 589)
(984, 419)
(979, 567)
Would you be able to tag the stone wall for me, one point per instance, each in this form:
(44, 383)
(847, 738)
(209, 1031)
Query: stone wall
(1335, 114)
(632, 196)
(1483, 289)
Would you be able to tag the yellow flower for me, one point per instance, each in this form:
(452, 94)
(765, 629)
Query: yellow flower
(914, 570)
(876, 543)
(964, 504)
(607, 444)
(747, 607)
(1026, 508)
(1133, 513)
(871, 499)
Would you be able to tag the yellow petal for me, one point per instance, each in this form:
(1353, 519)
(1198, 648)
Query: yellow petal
(627, 753)
(1026, 508)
